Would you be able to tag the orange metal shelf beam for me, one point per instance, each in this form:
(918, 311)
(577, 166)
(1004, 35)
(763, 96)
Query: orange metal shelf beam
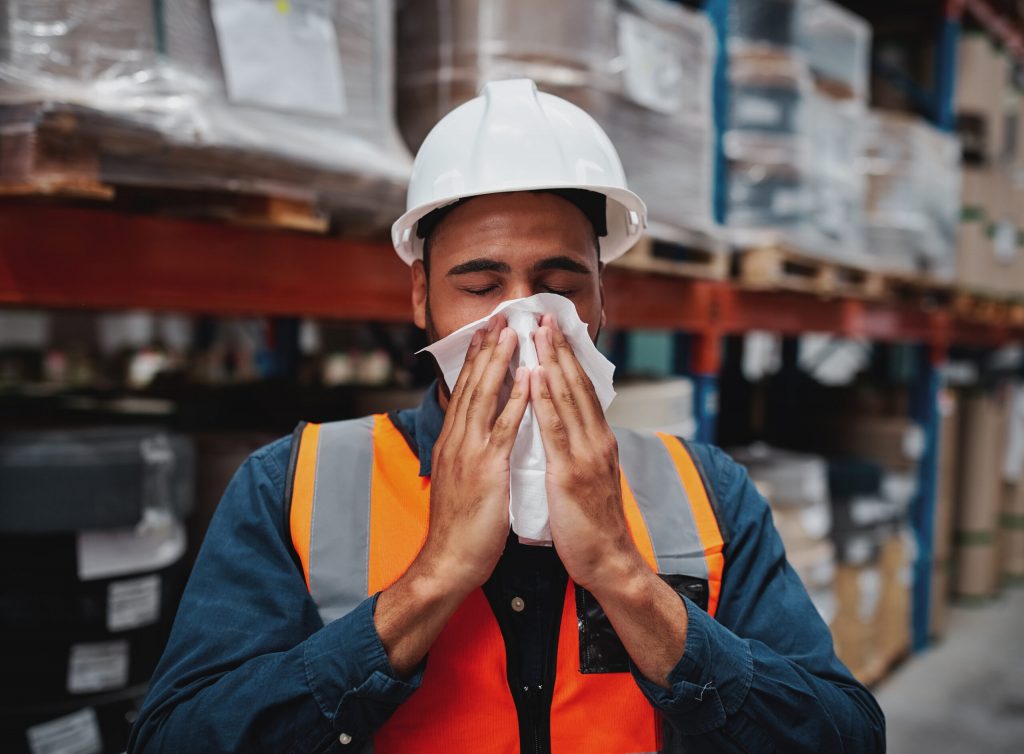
(61, 256)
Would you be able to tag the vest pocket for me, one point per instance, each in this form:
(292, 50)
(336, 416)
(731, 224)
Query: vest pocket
(601, 650)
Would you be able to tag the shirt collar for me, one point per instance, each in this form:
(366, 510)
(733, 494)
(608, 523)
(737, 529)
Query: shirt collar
(423, 425)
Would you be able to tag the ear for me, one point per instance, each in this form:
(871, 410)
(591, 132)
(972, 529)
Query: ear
(419, 294)
(600, 290)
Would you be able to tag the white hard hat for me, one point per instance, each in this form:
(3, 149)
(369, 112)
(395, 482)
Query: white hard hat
(514, 138)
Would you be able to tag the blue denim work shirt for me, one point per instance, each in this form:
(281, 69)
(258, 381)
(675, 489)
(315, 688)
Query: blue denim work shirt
(250, 667)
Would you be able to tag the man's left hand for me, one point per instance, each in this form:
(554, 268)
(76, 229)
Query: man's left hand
(588, 524)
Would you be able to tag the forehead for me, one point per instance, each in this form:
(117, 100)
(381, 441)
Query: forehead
(513, 226)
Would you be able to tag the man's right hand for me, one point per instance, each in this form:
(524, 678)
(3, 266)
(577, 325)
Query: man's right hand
(469, 497)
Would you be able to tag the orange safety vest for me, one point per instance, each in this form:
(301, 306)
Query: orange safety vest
(359, 515)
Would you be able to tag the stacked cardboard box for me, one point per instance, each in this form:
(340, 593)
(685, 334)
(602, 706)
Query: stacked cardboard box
(945, 508)
(980, 495)
(796, 487)
(641, 68)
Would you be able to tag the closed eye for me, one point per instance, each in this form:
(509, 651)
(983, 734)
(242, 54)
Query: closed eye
(480, 291)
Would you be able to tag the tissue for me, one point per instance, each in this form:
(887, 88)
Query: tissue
(528, 500)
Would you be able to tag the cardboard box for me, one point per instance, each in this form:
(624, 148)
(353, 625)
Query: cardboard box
(938, 616)
(1011, 535)
(945, 500)
(894, 602)
(980, 495)
(855, 628)
(895, 442)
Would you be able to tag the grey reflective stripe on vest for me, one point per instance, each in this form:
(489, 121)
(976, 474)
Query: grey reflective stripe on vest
(339, 547)
(663, 501)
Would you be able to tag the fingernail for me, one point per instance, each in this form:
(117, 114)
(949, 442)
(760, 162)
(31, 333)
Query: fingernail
(505, 335)
(476, 338)
(492, 324)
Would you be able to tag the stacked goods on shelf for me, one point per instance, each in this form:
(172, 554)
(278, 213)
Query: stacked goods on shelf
(945, 507)
(93, 553)
(641, 68)
(990, 124)
(1010, 540)
(292, 100)
(798, 90)
(796, 487)
(980, 494)
(870, 504)
(873, 480)
(913, 179)
(663, 405)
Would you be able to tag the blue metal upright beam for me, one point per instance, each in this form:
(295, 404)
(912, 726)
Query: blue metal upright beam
(924, 408)
(697, 357)
(718, 14)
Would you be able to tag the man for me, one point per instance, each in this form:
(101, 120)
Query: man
(359, 588)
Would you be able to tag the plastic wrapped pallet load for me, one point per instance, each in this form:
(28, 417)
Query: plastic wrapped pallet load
(664, 405)
(641, 68)
(99, 516)
(838, 45)
(288, 99)
(913, 195)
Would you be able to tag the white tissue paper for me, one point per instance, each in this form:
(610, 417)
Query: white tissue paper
(528, 500)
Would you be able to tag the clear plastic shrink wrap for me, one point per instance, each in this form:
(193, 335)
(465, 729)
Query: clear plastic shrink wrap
(641, 68)
(249, 95)
(913, 198)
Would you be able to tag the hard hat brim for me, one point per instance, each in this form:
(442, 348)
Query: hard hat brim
(626, 218)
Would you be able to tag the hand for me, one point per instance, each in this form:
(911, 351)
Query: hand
(588, 524)
(469, 492)
(468, 502)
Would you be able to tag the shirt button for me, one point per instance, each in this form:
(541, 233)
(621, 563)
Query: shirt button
(344, 739)
(518, 605)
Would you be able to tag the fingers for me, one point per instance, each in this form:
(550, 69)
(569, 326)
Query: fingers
(553, 431)
(460, 386)
(577, 382)
(471, 390)
(506, 426)
(483, 405)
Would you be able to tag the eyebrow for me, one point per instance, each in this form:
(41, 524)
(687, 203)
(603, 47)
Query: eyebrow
(567, 264)
(479, 265)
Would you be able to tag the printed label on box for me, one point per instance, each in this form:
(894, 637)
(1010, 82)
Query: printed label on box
(752, 110)
(281, 55)
(133, 603)
(98, 667)
(77, 733)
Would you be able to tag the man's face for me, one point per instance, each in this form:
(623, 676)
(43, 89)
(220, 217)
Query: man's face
(506, 246)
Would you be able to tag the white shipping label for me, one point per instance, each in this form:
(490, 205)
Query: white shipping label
(157, 542)
(77, 733)
(133, 603)
(281, 54)
(653, 73)
(98, 667)
(1004, 241)
(752, 110)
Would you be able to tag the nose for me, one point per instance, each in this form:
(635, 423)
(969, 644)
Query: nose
(520, 289)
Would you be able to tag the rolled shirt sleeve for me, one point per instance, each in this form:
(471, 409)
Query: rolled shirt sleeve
(249, 665)
(762, 675)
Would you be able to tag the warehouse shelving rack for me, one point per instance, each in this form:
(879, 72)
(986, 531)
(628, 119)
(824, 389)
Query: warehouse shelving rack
(57, 255)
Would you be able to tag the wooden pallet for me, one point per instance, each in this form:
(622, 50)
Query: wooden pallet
(69, 153)
(696, 257)
(987, 310)
(779, 267)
